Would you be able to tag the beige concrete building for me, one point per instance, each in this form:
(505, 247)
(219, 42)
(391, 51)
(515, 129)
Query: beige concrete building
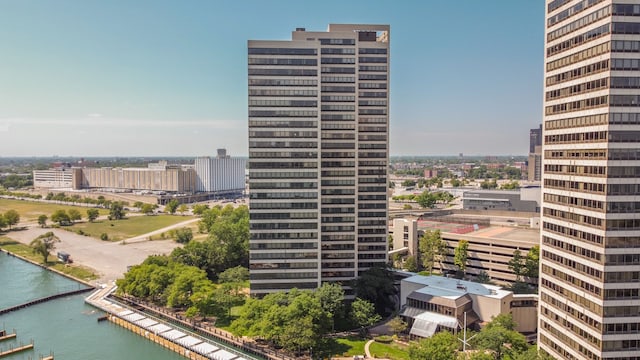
(490, 247)
(318, 156)
(157, 177)
(590, 246)
(433, 303)
(53, 178)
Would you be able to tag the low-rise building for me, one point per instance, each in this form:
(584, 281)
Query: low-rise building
(524, 199)
(433, 303)
(489, 251)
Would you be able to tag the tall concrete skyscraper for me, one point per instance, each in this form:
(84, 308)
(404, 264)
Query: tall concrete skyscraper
(590, 250)
(318, 156)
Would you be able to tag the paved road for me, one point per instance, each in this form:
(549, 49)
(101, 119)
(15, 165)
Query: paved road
(109, 259)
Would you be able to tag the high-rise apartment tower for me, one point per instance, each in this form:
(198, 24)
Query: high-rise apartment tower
(318, 156)
(590, 246)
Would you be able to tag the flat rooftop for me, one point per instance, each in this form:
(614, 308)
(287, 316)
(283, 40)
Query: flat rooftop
(496, 232)
(454, 288)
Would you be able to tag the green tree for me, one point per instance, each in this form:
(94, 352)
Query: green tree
(377, 286)
(138, 204)
(234, 278)
(483, 277)
(432, 248)
(188, 281)
(3, 221)
(147, 209)
(331, 296)
(44, 244)
(172, 206)
(42, 220)
(116, 211)
(442, 345)
(532, 262)
(183, 235)
(363, 313)
(92, 214)
(397, 325)
(502, 341)
(460, 255)
(426, 199)
(512, 185)
(198, 209)
(516, 264)
(11, 217)
(61, 217)
(74, 215)
(183, 209)
(410, 264)
(489, 184)
(294, 320)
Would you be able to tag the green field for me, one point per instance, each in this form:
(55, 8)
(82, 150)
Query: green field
(127, 228)
(76, 271)
(391, 351)
(350, 346)
(30, 210)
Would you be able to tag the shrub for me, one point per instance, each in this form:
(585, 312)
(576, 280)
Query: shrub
(104, 237)
(385, 339)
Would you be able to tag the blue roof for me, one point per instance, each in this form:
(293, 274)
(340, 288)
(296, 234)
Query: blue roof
(443, 286)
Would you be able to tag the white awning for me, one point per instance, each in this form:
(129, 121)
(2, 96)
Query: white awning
(223, 355)
(425, 324)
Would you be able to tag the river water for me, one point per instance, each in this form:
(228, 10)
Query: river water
(65, 327)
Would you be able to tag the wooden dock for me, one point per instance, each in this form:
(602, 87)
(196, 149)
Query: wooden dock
(44, 299)
(6, 336)
(16, 350)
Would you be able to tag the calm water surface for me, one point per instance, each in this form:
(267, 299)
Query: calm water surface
(66, 327)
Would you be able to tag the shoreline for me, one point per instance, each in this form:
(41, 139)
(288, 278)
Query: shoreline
(84, 282)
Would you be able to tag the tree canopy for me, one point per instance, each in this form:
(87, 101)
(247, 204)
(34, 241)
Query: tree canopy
(44, 244)
(432, 248)
(295, 320)
(376, 285)
(11, 217)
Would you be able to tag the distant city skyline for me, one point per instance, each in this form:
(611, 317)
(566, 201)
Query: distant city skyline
(162, 78)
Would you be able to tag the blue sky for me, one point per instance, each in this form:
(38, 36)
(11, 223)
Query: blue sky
(169, 78)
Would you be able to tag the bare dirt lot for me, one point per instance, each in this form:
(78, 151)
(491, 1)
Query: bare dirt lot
(108, 259)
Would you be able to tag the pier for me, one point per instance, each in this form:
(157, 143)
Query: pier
(184, 342)
(44, 299)
(5, 336)
(18, 349)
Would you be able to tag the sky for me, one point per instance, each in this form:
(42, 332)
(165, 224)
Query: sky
(169, 78)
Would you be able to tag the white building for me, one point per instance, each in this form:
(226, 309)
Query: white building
(220, 174)
(318, 156)
(590, 246)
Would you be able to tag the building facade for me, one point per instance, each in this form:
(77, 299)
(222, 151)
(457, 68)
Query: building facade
(318, 156)
(523, 199)
(433, 303)
(221, 174)
(534, 169)
(156, 177)
(590, 236)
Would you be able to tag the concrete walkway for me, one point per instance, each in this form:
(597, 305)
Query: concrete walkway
(366, 348)
(145, 237)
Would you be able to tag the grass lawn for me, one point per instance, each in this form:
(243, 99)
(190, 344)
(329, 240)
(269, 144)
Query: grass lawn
(350, 346)
(194, 229)
(30, 210)
(76, 271)
(393, 351)
(127, 228)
